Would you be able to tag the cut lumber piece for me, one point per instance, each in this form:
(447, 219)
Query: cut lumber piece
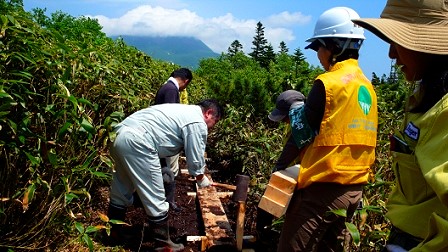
(219, 194)
(279, 191)
(285, 180)
(216, 225)
(278, 195)
(202, 239)
(272, 207)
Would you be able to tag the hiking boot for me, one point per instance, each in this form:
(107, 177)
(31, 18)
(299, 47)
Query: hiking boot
(161, 235)
(116, 236)
(170, 193)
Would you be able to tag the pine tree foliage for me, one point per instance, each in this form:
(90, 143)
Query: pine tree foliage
(259, 44)
(235, 48)
(283, 49)
(268, 56)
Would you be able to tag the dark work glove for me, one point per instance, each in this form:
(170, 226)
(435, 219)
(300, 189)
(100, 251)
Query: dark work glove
(167, 174)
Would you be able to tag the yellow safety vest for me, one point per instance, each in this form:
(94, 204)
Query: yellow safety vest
(184, 96)
(344, 148)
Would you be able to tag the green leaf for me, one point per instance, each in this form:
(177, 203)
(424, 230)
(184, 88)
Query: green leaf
(73, 100)
(375, 209)
(12, 19)
(354, 233)
(118, 222)
(28, 196)
(117, 115)
(106, 160)
(89, 159)
(91, 229)
(101, 174)
(64, 129)
(88, 241)
(84, 101)
(34, 160)
(69, 197)
(340, 212)
(87, 126)
(82, 192)
(52, 157)
(79, 227)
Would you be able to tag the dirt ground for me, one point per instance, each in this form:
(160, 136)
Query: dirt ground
(187, 222)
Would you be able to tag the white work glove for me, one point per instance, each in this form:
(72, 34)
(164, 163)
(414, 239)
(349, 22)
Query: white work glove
(204, 182)
(168, 175)
(395, 248)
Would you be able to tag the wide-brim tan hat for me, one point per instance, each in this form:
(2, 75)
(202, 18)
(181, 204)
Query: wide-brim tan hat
(420, 26)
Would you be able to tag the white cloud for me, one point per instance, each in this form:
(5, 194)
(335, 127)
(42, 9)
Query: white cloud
(217, 32)
(286, 18)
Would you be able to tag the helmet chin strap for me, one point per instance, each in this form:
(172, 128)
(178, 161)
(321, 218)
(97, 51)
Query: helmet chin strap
(347, 42)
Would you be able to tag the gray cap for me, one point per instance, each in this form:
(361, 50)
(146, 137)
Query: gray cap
(284, 102)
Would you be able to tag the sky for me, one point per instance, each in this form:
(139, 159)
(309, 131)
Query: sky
(218, 23)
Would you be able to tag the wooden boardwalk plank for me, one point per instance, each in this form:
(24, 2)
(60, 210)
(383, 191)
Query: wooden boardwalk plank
(217, 227)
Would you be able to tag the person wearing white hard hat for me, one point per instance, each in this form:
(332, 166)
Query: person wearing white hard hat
(336, 131)
(417, 207)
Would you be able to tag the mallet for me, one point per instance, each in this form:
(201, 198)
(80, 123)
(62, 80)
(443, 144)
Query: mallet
(240, 196)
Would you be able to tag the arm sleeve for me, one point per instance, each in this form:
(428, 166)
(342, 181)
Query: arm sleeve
(305, 120)
(315, 105)
(195, 139)
(289, 153)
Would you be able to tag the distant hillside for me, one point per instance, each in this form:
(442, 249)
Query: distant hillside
(184, 51)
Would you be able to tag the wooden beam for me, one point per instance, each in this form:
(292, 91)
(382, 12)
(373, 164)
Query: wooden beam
(219, 194)
(217, 227)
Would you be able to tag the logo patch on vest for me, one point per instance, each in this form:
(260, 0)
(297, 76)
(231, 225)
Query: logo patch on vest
(364, 99)
(412, 131)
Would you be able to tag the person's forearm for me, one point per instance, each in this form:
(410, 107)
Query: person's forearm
(289, 154)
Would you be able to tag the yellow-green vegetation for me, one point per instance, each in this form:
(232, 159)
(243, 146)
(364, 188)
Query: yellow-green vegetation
(63, 86)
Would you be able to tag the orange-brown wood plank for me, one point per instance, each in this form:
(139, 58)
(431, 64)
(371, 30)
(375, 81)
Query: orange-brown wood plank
(217, 227)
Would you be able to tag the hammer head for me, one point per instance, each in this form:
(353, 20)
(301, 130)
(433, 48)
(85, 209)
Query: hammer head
(242, 184)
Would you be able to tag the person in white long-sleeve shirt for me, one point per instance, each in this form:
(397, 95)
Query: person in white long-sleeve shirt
(141, 139)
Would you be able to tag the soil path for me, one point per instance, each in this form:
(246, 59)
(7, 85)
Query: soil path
(187, 222)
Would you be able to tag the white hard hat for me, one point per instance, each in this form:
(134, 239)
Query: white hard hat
(337, 23)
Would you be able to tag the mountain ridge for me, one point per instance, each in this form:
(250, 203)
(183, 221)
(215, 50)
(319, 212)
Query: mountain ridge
(183, 51)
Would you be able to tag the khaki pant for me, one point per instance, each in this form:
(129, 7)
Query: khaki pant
(310, 226)
(173, 163)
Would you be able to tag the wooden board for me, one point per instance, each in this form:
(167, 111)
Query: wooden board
(279, 191)
(217, 227)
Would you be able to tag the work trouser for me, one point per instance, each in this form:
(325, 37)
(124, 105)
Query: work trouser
(309, 223)
(402, 239)
(137, 168)
(173, 163)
